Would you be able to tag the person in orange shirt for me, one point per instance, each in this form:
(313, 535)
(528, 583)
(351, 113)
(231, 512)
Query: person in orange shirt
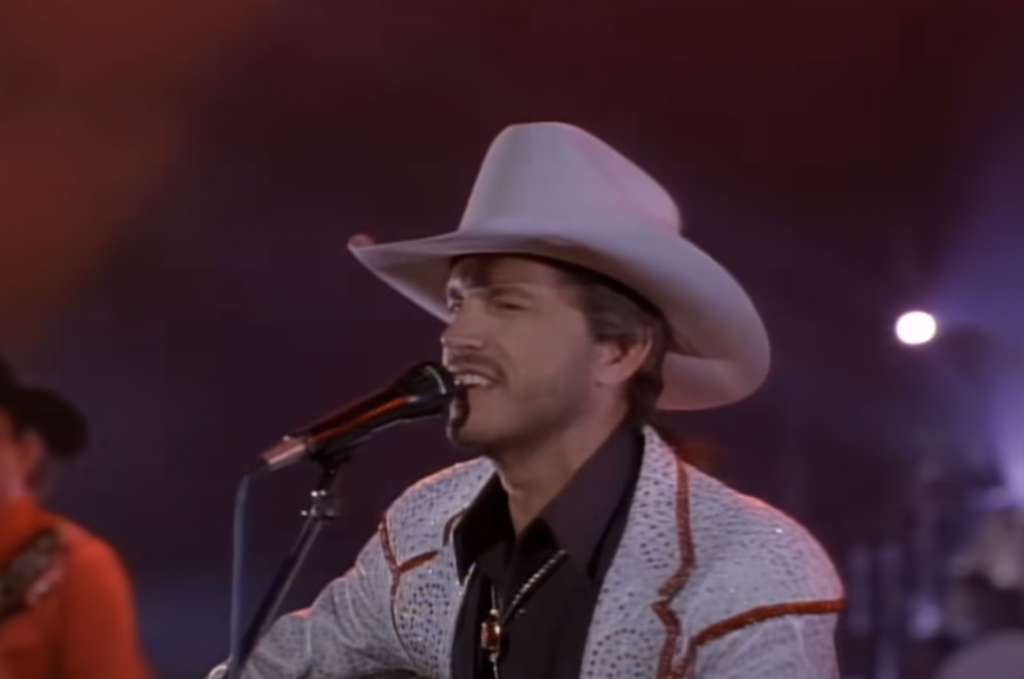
(66, 605)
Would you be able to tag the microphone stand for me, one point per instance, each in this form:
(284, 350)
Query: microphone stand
(321, 510)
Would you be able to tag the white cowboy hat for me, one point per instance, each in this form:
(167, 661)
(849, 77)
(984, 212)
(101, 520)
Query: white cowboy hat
(553, 190)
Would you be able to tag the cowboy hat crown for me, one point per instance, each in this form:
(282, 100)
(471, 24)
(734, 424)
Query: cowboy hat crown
(558, 175)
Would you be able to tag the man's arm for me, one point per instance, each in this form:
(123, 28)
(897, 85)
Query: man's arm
(785, 647)
(768, 605)
(346, 633)
(99, 634)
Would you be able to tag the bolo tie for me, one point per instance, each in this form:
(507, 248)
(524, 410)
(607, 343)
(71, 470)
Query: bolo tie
(492, 629)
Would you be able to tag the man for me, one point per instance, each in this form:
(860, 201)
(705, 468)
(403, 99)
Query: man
(66, 608)
(578, 544)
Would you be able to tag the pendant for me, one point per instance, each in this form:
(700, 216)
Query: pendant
(490, 635)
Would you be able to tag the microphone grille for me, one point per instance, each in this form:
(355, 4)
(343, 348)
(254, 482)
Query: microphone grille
(428, 380)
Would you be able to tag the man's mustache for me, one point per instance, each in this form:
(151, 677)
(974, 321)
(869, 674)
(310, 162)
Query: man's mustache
(475, 363)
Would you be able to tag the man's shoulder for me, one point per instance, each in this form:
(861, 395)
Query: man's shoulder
(754, 554)
(84, 550)
(422, 517)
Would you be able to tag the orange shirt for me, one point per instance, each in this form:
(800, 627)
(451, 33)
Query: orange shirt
(85, 626)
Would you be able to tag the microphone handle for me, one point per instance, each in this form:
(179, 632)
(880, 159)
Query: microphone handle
(286, 452)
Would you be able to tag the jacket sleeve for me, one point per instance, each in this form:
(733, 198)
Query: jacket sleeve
(785, 647)
(99, 635)
(768, 606)
(346, 633)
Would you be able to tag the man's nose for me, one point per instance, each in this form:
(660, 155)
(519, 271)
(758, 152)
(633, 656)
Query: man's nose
(463, 333)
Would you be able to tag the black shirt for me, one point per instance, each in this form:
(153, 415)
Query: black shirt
(545, 637)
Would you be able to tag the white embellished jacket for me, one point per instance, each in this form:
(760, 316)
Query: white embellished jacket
(706, 584)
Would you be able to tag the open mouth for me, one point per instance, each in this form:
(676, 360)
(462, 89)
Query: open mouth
(468, 380)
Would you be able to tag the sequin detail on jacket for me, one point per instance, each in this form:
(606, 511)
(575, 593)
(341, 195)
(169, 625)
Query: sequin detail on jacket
(707, 583)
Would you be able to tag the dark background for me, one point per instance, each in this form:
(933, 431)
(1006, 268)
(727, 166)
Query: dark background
(178, 181)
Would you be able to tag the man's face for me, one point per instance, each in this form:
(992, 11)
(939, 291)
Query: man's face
(19, 455)
(519, 347)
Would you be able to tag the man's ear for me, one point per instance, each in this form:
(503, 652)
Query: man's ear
(31, 453)
(619, 361)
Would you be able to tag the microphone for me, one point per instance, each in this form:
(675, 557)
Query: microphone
(423, 390)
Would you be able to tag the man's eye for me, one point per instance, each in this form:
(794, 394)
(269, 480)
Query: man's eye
(505, 305)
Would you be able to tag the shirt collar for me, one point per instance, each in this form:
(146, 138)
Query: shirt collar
(577, 517)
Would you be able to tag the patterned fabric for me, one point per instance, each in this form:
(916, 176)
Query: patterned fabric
(29, 575)
(706, 584)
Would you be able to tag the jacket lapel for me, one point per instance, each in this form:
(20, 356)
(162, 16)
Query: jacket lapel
(634, 631)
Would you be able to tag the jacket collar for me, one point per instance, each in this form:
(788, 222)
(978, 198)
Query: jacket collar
(653, 563)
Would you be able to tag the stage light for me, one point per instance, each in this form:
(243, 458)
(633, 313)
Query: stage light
(916, 327)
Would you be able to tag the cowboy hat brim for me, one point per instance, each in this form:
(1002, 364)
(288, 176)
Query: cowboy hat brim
(719, 352)
(55, 418)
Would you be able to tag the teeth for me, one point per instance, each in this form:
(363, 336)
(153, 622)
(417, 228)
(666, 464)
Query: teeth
(472, 380)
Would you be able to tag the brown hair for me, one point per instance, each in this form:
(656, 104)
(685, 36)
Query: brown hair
(616, 313)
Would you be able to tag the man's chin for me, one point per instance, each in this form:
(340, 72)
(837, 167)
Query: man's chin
(465, 436)
(465, 430)
(474, 436)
